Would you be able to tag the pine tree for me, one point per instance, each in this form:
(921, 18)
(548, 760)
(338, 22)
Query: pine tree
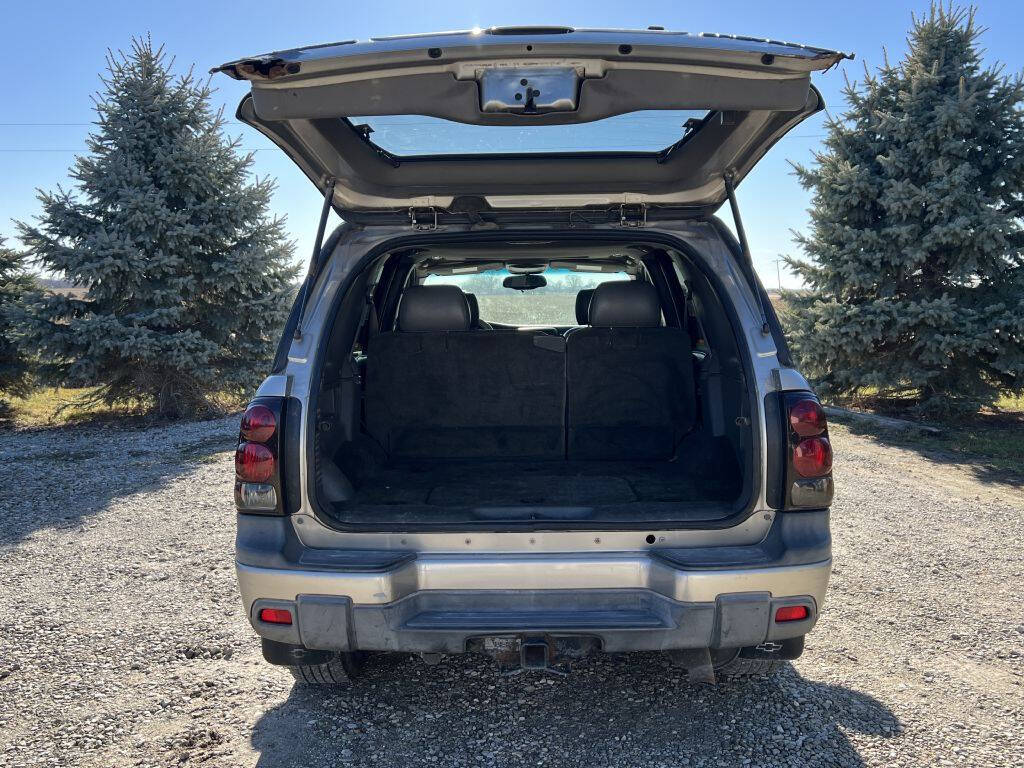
(15, 285)
(187, 277)
(914, 256)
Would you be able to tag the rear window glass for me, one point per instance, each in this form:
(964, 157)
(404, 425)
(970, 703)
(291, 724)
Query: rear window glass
(412, 135)
(552, 305)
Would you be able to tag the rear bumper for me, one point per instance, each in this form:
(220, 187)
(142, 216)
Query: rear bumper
(657, 599)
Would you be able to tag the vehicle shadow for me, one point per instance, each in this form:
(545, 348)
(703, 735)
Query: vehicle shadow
(59, 477)
(623, 710)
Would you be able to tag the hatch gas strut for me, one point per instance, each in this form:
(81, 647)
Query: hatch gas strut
(314, 262)
(748, 260)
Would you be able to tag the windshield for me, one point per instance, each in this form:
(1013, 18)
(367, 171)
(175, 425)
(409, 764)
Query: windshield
(552, 305)
(412, 135)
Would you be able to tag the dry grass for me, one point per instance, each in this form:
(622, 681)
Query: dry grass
(1009, 404)
(993, 436)
(56, 406)
(63, 406)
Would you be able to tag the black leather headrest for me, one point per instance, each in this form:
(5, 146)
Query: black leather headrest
(474, 310)
(583, 305)
(625, 304)
(433, 308)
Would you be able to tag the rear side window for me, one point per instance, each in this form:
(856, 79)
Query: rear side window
(552, 305)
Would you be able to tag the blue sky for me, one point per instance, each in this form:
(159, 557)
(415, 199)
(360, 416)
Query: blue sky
(55, 51)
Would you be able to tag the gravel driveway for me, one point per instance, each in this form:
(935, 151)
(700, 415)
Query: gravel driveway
(122, 642)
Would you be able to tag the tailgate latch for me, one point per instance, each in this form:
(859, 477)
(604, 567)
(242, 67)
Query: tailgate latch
(633, 215)
(423, 218)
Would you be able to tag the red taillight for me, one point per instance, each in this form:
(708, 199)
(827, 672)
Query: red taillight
(792, 613)
(277, 615)
(812, 457)
(254, 462)
(808, 471)
(806, 418)
(258, 423)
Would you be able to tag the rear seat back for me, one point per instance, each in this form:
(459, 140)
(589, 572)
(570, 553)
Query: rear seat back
(437, 389)
(620, 388)
(629, 381)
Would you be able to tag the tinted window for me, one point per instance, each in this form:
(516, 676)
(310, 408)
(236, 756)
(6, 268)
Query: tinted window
(411, 135)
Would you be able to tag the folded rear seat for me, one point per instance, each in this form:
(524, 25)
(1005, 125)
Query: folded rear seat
(629, 380)
(436, 389)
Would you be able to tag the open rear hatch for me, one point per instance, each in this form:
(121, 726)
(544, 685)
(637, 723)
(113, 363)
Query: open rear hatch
(520, 122)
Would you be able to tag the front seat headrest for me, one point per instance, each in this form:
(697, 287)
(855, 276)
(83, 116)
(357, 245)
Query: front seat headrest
(583, 305)
(433, 308)
(474, 310)
(625, 304)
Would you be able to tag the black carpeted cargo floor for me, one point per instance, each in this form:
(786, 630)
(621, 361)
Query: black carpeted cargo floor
(701, 484)
(541, 483)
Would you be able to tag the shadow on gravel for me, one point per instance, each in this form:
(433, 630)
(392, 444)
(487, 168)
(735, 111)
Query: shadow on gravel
(58, 478)
(626, 710)
(989, 448)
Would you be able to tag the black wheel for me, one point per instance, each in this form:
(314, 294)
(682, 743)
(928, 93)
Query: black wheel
(339, 671)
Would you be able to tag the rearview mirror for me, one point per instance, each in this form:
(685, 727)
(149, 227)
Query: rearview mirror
(524, 282)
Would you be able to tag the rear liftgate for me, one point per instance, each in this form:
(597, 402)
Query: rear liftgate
(485, 91)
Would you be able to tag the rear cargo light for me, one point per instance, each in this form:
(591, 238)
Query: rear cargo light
(277, 615)
(807, 418)
(792, 613)
(812, 457)
(258, 423)
(254, 462)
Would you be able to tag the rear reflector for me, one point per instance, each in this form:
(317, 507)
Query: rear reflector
(277, 615)
(792, 613)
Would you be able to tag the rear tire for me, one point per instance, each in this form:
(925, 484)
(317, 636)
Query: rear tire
(744, 669)
(339, 671)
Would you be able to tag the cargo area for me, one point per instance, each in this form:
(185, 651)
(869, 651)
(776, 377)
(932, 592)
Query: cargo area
(630, 407)
(688, 487)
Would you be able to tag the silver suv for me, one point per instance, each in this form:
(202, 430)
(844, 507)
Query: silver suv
(532, 400)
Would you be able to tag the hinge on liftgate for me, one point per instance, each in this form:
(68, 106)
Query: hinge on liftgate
(423, 218)
(632, 215)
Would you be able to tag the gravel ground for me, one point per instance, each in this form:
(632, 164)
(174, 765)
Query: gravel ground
(122, 642)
